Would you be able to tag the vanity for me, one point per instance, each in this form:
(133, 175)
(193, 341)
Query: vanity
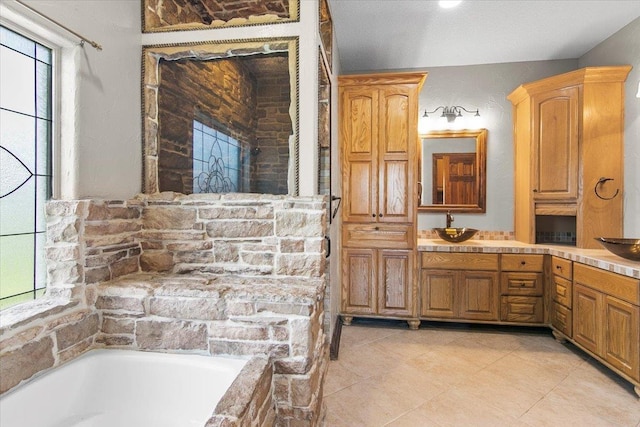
(587, 296)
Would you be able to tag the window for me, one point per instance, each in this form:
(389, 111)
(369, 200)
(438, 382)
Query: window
(26, 172)
(216, 161)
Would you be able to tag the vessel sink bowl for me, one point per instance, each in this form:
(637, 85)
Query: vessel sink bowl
(456, 235)
(625, 248)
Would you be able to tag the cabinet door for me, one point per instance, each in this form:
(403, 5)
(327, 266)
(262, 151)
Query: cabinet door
(359, 281)
(437, 293)
(622, 343)
(478, 295)
(555, 144)
(587, 318)
(395, 279)
(359, 139)
(398, 142)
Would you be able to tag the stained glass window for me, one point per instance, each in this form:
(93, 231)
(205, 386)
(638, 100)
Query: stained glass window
(216, 161)
(25, 164)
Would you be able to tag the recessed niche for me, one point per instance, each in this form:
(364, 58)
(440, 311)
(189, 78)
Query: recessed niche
(221, 117)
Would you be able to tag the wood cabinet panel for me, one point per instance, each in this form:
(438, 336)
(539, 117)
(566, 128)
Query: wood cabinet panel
(622, 340)
(521, 309)
(394, 200)
(478, 295)
(359, 287)
(521, 262)
(395, 282)
(522, 283)
(587, 318)
(617, 285)
(555, 139)
(391, 236)
(460, 261)
(437, 294)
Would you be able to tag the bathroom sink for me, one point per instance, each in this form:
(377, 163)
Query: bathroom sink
(625, 248)
(456, 235)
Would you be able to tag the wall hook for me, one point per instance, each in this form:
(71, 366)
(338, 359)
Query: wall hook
(602, 181)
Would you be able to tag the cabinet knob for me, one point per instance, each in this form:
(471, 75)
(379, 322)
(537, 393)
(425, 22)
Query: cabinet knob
(535, 190)
(523, 262)
(373, 215)
(377, 228)
(381, 215)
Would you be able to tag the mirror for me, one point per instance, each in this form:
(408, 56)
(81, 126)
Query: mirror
(221, 117)
(453, 171)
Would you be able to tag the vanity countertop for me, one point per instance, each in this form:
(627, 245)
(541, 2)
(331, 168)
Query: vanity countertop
(600, 258)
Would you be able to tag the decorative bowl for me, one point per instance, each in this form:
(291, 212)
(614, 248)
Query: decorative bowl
(456, 235)
(625, 248)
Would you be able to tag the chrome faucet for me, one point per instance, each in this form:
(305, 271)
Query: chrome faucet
(449, 219)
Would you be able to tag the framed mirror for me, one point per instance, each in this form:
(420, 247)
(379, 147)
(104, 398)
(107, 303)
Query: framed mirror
(452, 174)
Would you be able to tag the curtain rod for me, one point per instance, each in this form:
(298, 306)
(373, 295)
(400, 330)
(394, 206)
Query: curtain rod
(83, 39)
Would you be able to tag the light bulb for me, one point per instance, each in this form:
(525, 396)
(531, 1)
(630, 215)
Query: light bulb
(448, 4)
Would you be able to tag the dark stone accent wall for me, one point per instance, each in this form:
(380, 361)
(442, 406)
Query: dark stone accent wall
(224, 90)
(270, 165)
(167, 13)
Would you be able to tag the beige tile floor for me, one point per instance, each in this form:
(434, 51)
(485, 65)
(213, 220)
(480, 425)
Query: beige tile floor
(469, 376)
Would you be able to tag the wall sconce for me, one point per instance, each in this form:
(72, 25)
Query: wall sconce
(451, 113)
(638, 94)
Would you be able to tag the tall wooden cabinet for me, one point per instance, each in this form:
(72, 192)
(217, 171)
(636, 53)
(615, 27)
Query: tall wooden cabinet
(568, 134)
(379, 141)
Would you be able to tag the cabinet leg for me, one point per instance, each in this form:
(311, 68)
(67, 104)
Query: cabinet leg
(413, 324)
(559, 337)
(637, 390)
(346, 320)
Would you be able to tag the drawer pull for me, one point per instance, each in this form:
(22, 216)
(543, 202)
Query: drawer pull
(523, 262)
(377, 228)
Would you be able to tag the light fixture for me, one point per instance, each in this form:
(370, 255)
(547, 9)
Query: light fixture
(448, 4)
(451, 113)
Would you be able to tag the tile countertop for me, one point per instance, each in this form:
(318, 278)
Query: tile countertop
(600, 258)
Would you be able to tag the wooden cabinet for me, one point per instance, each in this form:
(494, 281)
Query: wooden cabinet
(561, 298)
(568, 134)
(521, 289)
(459, 286)
(606, 316)
(378, 281)
(379, 140)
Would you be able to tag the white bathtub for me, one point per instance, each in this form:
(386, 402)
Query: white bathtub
(122, 388)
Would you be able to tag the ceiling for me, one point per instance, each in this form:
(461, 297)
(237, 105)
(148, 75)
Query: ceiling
(416, 34)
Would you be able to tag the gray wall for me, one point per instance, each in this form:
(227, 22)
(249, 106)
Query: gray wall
(486, 87)
(624, 48)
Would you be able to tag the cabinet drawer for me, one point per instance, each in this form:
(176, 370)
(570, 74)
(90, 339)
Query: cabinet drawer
(460, 261)
(562, 267)
(522, 309)
(518, 262)
(521, 284)
(385, 236)
(617, 285)
(561, 318)
(561, 290)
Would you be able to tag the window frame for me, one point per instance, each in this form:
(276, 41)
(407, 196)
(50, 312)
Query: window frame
(64, 70)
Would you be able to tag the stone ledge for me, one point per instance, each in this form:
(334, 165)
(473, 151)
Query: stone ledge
(22, 314)
(261, 289)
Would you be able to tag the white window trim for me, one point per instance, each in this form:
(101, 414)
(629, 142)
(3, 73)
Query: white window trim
(66, 53)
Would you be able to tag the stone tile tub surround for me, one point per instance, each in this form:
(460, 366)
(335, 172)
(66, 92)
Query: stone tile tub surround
(233, 274)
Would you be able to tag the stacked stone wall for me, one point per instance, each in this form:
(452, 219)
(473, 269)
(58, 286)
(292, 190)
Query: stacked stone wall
(238, 275)
(273, 129)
